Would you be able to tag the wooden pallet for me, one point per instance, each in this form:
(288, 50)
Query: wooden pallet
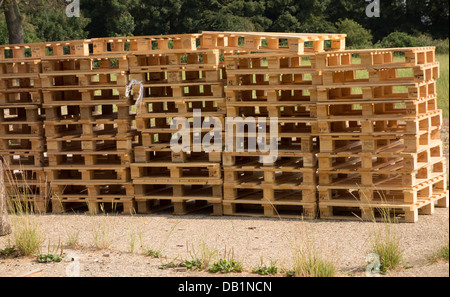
(93, 194)
(20, 113)
(90, 158)
(308, 157)
(354, 159)
(372, 109)
(84, 97)
(352, 187)
(26, 186)
(20, 144)
(272, 93)
(270, 70)
(116, 79)
(182, 105)
(29, 68)
(195, 88)
(376, 91)
(98, 47)
(177, 173)
(20, 97)
(270, 191)
(381, 174)
(98, 144)
(280, 63)
(271, 42)
(162, 122)
(88, 128)
(382, 210)
(368, 144)
(24, 173)
(21, 129)
(26, 189)
(282, 110)
(96, 173)
(175, 67)
(145, 44)
(145, 154)
(284, 207)
(20, 82)
(93, 205)
(288, 144)
(184, 199)
(90, 112)
(58, 66)
(24, 158)
(422, 73)
(380, 125)
(376, 58)
(288, 171)
(28, 202)
(160, 138)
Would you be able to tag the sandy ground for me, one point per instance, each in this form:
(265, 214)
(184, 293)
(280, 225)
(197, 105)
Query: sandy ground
(345, 243)
(250, 240)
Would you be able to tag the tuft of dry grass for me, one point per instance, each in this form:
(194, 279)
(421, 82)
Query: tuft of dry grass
(27, 235)
(385, 243)
(310, 260)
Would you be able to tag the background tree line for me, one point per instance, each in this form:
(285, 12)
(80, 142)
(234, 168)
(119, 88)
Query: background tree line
(402, 22)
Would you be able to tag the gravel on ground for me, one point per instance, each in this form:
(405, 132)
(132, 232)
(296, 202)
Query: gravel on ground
(112, 245)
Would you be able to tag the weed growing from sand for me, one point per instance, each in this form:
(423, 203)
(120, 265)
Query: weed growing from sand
(47, 258)
(309, 262)
(132, 242)
(262, 269)
(102, 237)
(169, 265)
(440, 255)
(28, 237)
(195, 264)
(152, 253)
(228, 264)
(308, 259)
(385, 242)
(7, 252)
(73, 239)
(201, 257)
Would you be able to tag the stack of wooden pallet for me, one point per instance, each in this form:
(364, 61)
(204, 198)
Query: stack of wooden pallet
(22, 145)
(356, 130)
(270, 86)
(178, 83)
(271, 75)
(88, 130)
(379, 132)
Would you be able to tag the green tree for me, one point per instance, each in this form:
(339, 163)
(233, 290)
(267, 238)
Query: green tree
(317, 24)
(13, 18)
(398, 39)
(357, 36)
(54, 25)
(47, 21)
(237, 15)
(110, 17)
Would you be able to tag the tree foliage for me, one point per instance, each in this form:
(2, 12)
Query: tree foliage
(46, 19)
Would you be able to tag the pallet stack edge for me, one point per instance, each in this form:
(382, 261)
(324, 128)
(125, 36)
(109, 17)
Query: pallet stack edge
(358, 130)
